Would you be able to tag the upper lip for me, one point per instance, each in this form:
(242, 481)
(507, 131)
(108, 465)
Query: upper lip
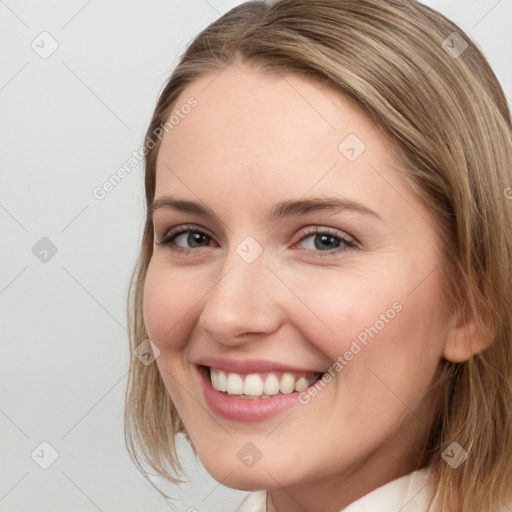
(242, 366)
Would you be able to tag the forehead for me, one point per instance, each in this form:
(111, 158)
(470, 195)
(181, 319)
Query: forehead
(242, 107)
(257, 137)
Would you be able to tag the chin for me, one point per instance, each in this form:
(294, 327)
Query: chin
(246, 479)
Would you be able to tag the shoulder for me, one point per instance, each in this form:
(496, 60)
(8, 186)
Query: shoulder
(253, 502)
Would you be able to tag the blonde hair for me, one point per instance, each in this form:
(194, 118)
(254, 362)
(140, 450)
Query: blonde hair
(442, 105)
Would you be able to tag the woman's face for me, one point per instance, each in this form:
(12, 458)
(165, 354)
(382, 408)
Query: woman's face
(273, 279)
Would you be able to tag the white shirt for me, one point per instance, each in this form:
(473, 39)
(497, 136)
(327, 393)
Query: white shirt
(409, 493)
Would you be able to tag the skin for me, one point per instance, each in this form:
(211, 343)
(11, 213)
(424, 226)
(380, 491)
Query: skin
(254, 139)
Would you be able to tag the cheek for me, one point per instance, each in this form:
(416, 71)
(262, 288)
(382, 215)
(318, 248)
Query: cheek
(343, 307)
(168, 315)
(167, 308)
(363, 324)
(398, 348)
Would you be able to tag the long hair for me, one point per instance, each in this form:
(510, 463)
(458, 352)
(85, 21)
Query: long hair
(426, 84)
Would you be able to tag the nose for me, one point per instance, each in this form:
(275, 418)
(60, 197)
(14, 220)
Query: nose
(245, 302)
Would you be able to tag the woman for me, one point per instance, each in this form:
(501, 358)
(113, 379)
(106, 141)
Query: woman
(325, 268)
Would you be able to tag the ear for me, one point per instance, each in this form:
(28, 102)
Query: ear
(466, 336)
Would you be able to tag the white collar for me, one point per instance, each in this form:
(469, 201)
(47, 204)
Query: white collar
(409, 493)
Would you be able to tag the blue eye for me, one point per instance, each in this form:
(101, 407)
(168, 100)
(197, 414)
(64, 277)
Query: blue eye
(194, 238)
(325, 240)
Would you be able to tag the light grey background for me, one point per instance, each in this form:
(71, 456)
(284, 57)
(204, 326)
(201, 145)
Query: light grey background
(67, 123)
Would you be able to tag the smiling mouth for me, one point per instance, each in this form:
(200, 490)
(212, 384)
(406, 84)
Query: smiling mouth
(259, 385)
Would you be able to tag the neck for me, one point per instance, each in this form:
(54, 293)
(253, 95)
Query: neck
(335, 492)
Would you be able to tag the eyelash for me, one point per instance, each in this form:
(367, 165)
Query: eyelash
(175, 232)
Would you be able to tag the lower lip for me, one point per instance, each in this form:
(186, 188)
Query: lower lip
(248, 410)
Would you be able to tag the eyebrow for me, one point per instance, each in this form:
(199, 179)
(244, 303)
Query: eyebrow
(289, 208)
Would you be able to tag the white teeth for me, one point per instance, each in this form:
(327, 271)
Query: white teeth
(271, 386)
(301, 384)
(214, 377)
(222, 381)
(287, 384)
(235, 384)
(254, 386)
